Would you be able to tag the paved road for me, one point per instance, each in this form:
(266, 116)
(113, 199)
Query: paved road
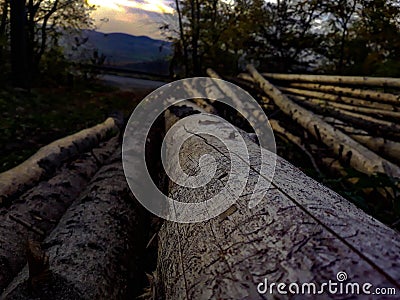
(129, 83)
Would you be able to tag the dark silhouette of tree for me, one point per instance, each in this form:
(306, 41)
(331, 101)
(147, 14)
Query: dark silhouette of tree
(18, 37)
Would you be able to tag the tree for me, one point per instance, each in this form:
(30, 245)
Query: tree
(49, 19)
(36, 26)
(18, 37)
(285, 36)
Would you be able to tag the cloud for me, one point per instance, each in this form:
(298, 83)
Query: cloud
(142, 17)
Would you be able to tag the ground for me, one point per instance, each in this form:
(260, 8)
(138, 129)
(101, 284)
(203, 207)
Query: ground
(29, 121)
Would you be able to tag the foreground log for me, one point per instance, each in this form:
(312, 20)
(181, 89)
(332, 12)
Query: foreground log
(37, 211)
(93, 252)
(301, 232)
(359, 157)
(346, 80)
(351, 92)
(48, 158)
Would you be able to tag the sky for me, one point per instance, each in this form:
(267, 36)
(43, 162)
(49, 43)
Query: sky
(136, 17)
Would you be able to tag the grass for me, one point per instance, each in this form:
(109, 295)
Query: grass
(31, 120)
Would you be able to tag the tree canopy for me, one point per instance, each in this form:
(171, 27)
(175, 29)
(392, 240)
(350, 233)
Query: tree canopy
(328, 36)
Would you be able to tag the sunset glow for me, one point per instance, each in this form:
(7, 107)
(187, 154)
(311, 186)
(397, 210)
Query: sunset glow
(121, 5)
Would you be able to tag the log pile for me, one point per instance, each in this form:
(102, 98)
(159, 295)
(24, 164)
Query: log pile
(72, 229)
(356, 118)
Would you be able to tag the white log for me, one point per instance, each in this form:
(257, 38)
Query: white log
(49, 157)
(351, 92)
(359, 157)
(300, 232)
(327, 79)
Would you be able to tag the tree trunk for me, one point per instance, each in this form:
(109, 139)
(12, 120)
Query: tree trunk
(351, 92)
(358, 109)
(38, 210)
(94, 250)
(44, 162)
(347, 100)
(301, 232)
(359, 157)
(379, 145)
(3, 24)
(342, 80)
(363, 97)
(19, 56)
(375, 126)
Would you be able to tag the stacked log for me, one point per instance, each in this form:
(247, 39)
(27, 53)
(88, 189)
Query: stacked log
(43, 163)
(301, 232)
(94, 251)
(36, 212)
(358, 156)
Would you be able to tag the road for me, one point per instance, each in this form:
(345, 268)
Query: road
(129, 83)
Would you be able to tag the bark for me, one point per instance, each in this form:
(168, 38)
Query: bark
(358, 156)
(373, 125)
(183, 39)
(357, 109)
(37, 211)
(381, 145)
(301, 231)
(277, 127)
(346, 100)
(43, 163)
(3, 24)
(350, 92)
(345, 80)
(95, 247)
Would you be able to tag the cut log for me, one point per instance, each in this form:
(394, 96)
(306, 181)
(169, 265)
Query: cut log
(48, 158)
(93, 252)
(37, 211)
(345, 80)
(295, 140)
(335, 98)
(351, 92)
(358, 156)
(300, 232)
(357, 109)
(331, 97)
(379, 145)
(373, 125)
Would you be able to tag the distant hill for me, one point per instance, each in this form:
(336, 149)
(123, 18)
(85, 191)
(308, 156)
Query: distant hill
(139, 53)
